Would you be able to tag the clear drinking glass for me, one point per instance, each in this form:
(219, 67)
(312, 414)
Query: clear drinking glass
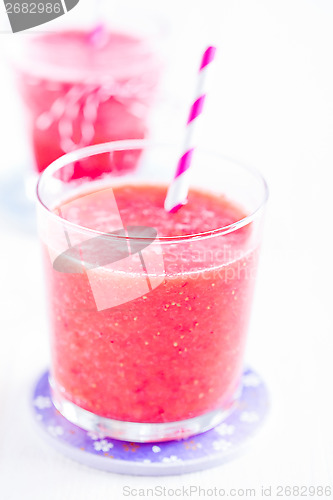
(147, 331)
(87, 83)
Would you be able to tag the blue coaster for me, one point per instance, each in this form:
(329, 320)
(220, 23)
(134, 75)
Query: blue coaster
(149, 459)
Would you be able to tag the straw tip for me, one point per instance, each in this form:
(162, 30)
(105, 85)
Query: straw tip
(211, 49)
(99, 35)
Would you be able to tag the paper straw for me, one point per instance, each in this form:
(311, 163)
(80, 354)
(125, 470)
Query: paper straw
(179, 187)
(99, 34)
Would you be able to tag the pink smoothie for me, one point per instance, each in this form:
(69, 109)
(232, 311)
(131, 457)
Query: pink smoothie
(79, 92)
(176, 352)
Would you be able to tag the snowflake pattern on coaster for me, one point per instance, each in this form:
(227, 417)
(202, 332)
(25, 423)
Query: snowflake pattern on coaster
(199, 452)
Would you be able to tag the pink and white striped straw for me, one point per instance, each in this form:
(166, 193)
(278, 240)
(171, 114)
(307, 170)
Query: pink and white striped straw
(178, 190)
(99, 34)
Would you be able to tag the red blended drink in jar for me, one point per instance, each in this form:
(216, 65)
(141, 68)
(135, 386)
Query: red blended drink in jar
(166, 359)
(81, 88)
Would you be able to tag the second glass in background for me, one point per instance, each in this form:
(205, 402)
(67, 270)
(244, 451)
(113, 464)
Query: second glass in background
(88, 84)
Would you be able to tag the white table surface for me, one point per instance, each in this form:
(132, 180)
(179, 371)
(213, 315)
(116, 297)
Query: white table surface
(270, 105)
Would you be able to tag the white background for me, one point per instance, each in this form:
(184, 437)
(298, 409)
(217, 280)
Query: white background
(271, 106)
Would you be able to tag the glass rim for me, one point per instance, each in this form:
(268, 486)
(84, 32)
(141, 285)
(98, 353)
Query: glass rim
(17, 51)
(129, 144)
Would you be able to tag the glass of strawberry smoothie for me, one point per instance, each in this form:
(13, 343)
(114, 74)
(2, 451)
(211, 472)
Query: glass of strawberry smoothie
(149, 311)
(83, 86)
